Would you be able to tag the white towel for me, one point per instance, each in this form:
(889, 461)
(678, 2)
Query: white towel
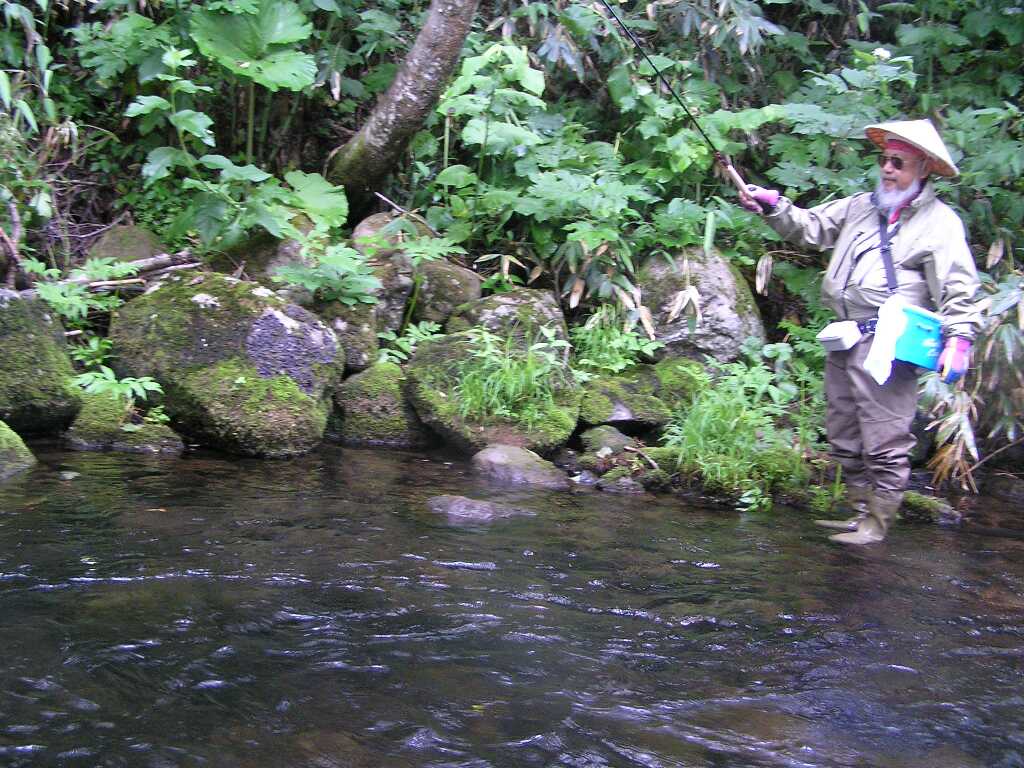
(892, 321)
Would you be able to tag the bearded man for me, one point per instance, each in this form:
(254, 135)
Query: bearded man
(869, 424)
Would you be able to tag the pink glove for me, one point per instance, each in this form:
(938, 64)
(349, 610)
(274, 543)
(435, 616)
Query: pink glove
(759, 199)
(955, 359)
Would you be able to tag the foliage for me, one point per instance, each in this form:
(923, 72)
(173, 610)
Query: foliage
(399, 349)
(73, 301)
(339, 273)
(604, 344)
(503, 380)
(105, 381)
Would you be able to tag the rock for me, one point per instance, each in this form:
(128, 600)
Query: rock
(103, 425)
(1006, 486)
(260, 256)
(515, 465)
(443, 287)
(730, 315)
(460, 509)
(242, 370)
(925, 439)
(432, 389)
(623, 485)
(375, 413)
(521, 311)
(395, 228)
(918, 507)
(37, 393)
(15, 457)
(680, 380)
(127, 242)
(605, 437)
(628, 399)
(356, 329)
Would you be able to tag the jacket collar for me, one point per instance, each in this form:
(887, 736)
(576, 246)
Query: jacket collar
(923, 198)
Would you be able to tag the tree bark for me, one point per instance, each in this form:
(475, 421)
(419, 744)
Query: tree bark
(363, 162)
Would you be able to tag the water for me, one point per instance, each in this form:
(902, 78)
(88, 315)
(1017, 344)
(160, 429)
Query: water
(214, 612)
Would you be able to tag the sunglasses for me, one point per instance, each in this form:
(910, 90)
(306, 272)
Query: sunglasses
(897, 162)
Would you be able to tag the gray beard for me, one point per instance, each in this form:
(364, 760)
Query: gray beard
(887, 202)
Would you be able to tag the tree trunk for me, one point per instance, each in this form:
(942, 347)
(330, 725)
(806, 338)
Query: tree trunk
(362, 163)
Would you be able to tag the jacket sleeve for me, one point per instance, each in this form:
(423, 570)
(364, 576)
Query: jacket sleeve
(953, 280)
(816, 227)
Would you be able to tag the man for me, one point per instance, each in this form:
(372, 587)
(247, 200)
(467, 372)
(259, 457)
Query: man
(868, 424)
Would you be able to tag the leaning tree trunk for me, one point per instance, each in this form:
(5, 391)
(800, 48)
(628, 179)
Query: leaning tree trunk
(373, 152)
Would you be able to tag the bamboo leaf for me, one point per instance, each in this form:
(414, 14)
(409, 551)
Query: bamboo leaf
(576, 293)
(995, 253)
(765, 265)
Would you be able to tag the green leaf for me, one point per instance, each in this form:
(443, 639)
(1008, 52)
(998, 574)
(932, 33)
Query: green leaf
(231, 172)
(253, 46)
(5, 90)
(143, 105)
(160, 161)
(456, 176)
(26, 111)
(319, 198)
(194, 123)
(327, 5)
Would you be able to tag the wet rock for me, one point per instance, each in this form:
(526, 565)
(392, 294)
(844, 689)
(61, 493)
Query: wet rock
(433, 376)
(1006, 486)
(627, 399)
(515, 465)
(443, 287)
(375, 412)
(242, 370)
(730, 315)
(396, 284)
(620, 484)
(37, 393)
(917, 507)
(461, 509)
(15, 457)
(103, 424)
(520, 312)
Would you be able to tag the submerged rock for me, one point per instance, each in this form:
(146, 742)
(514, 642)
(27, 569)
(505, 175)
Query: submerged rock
(730, 315)
(375, 412)
(461, 509)
(103, 425)
(15, 456)
(242, 370)
(37, 393)
(515, 465)
(433, 377)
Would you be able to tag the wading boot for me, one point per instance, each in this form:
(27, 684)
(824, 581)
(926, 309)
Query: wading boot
(857, 499)
(873, 528)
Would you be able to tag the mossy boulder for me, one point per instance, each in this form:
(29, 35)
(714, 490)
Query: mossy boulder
(680, 381)
(356, 329)
(432, 388)
(605, 438)
(392, 229)
(628, 399)
(443, 287)
(375, 412)
(37, 393)
(15, 457)
(127, 242)
(242, 370)
(105, 424)
(730, 315)
(516, 465)
(521, 311)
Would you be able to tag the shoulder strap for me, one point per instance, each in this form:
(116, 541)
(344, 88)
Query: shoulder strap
(890, 271)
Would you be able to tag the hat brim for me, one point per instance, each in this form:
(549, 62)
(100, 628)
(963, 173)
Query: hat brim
(879, 135)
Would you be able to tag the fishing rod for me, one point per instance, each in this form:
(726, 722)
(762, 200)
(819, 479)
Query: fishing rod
(727, 166)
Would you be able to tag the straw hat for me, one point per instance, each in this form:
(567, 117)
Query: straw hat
(920, 133)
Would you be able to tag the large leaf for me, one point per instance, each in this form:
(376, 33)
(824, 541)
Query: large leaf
(143, 105)
(195, 123)
(319, 198)
(231, 172)
(160, 161)
(257, 46)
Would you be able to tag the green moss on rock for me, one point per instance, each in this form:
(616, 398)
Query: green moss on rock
(375, 412)
(920, 508)
(443, 287)
(356, 329)
(629, 397)
(127, 242)
(37, 394)
(681, 380)
(104, 425)
(230, 406)
(15, 457)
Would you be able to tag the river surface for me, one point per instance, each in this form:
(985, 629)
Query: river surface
(214, 612)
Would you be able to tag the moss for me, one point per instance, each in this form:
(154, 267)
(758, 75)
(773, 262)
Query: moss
(375, 412)
(100, 426)
(628, 396)
(917, 506)
(229, 406)
(37, 394)
(443, 287)
(605, 437)
(356, 329)
(681, 380)
(656, 479)
(127, 242)
(616, 473)
(666, 458)
(15, 457)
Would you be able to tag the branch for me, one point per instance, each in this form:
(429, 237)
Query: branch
(12, 243)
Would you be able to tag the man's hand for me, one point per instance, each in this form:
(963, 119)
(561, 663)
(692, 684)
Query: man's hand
(955, 359)
(758, 199)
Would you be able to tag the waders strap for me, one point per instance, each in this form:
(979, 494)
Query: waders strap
(890, 271)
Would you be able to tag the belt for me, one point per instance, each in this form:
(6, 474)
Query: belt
(867, 326)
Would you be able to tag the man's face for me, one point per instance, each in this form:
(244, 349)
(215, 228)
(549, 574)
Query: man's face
(899, 179)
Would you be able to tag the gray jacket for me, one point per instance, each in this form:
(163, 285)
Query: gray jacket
(934, 266)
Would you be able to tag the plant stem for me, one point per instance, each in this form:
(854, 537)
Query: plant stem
(250, 127)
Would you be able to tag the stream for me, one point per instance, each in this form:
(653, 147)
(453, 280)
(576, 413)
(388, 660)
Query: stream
(208, 611)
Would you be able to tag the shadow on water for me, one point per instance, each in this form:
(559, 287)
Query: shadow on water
(212, 612)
